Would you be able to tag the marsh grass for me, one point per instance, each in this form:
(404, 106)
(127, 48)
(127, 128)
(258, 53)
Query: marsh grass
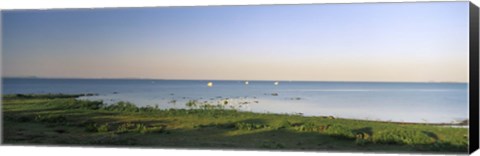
(63, 119)
(250, 126)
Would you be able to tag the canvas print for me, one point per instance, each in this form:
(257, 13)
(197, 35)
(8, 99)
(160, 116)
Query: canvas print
(368, 77)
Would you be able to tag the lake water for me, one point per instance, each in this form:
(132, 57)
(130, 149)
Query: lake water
(403, 102)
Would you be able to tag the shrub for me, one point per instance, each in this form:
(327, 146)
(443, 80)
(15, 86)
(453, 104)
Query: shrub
(362, 138)
(340, 131)
(90, 104)
(91, 127)
(77, 104)
(307, 127)
(363, 135)
(125, 127)
(149, 108)
(211, 107)
(191, 104)
(402, 136)
(136, 127)
(141, 128)
(284, 124)
(51, 118)
(217, 125)
(123, 106)
(103, 128)
(94, 127)
(250, 126)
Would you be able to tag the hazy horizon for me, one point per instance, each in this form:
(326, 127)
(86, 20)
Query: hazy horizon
(369, 42)
(180, 79)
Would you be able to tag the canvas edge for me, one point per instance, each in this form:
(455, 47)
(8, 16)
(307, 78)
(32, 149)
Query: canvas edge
(474, 78)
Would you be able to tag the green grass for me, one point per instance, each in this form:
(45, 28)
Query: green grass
(64, 120)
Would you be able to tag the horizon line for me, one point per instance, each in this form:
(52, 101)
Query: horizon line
(180, 79)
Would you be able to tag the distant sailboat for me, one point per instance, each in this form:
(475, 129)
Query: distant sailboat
(276, 83)
(246, 82)
(210, 84)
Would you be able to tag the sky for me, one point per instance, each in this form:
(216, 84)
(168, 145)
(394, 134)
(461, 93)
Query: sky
(401, 42)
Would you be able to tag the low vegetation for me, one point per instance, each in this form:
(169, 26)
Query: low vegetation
(64, 120)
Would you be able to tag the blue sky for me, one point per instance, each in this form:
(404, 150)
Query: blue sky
(326, 42)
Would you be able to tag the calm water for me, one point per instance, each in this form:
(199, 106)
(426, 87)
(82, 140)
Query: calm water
(407, 102)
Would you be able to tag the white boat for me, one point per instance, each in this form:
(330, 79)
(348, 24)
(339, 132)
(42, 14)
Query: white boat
(276, 83)
(210, 84)
(246, 82)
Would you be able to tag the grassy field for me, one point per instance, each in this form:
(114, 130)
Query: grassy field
(64, 120)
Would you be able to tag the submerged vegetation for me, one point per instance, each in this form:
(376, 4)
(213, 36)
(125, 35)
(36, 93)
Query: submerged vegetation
(55, 119)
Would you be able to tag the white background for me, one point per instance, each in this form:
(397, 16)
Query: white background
(82, 151)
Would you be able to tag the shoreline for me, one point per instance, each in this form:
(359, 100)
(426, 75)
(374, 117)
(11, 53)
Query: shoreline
(458, 124)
